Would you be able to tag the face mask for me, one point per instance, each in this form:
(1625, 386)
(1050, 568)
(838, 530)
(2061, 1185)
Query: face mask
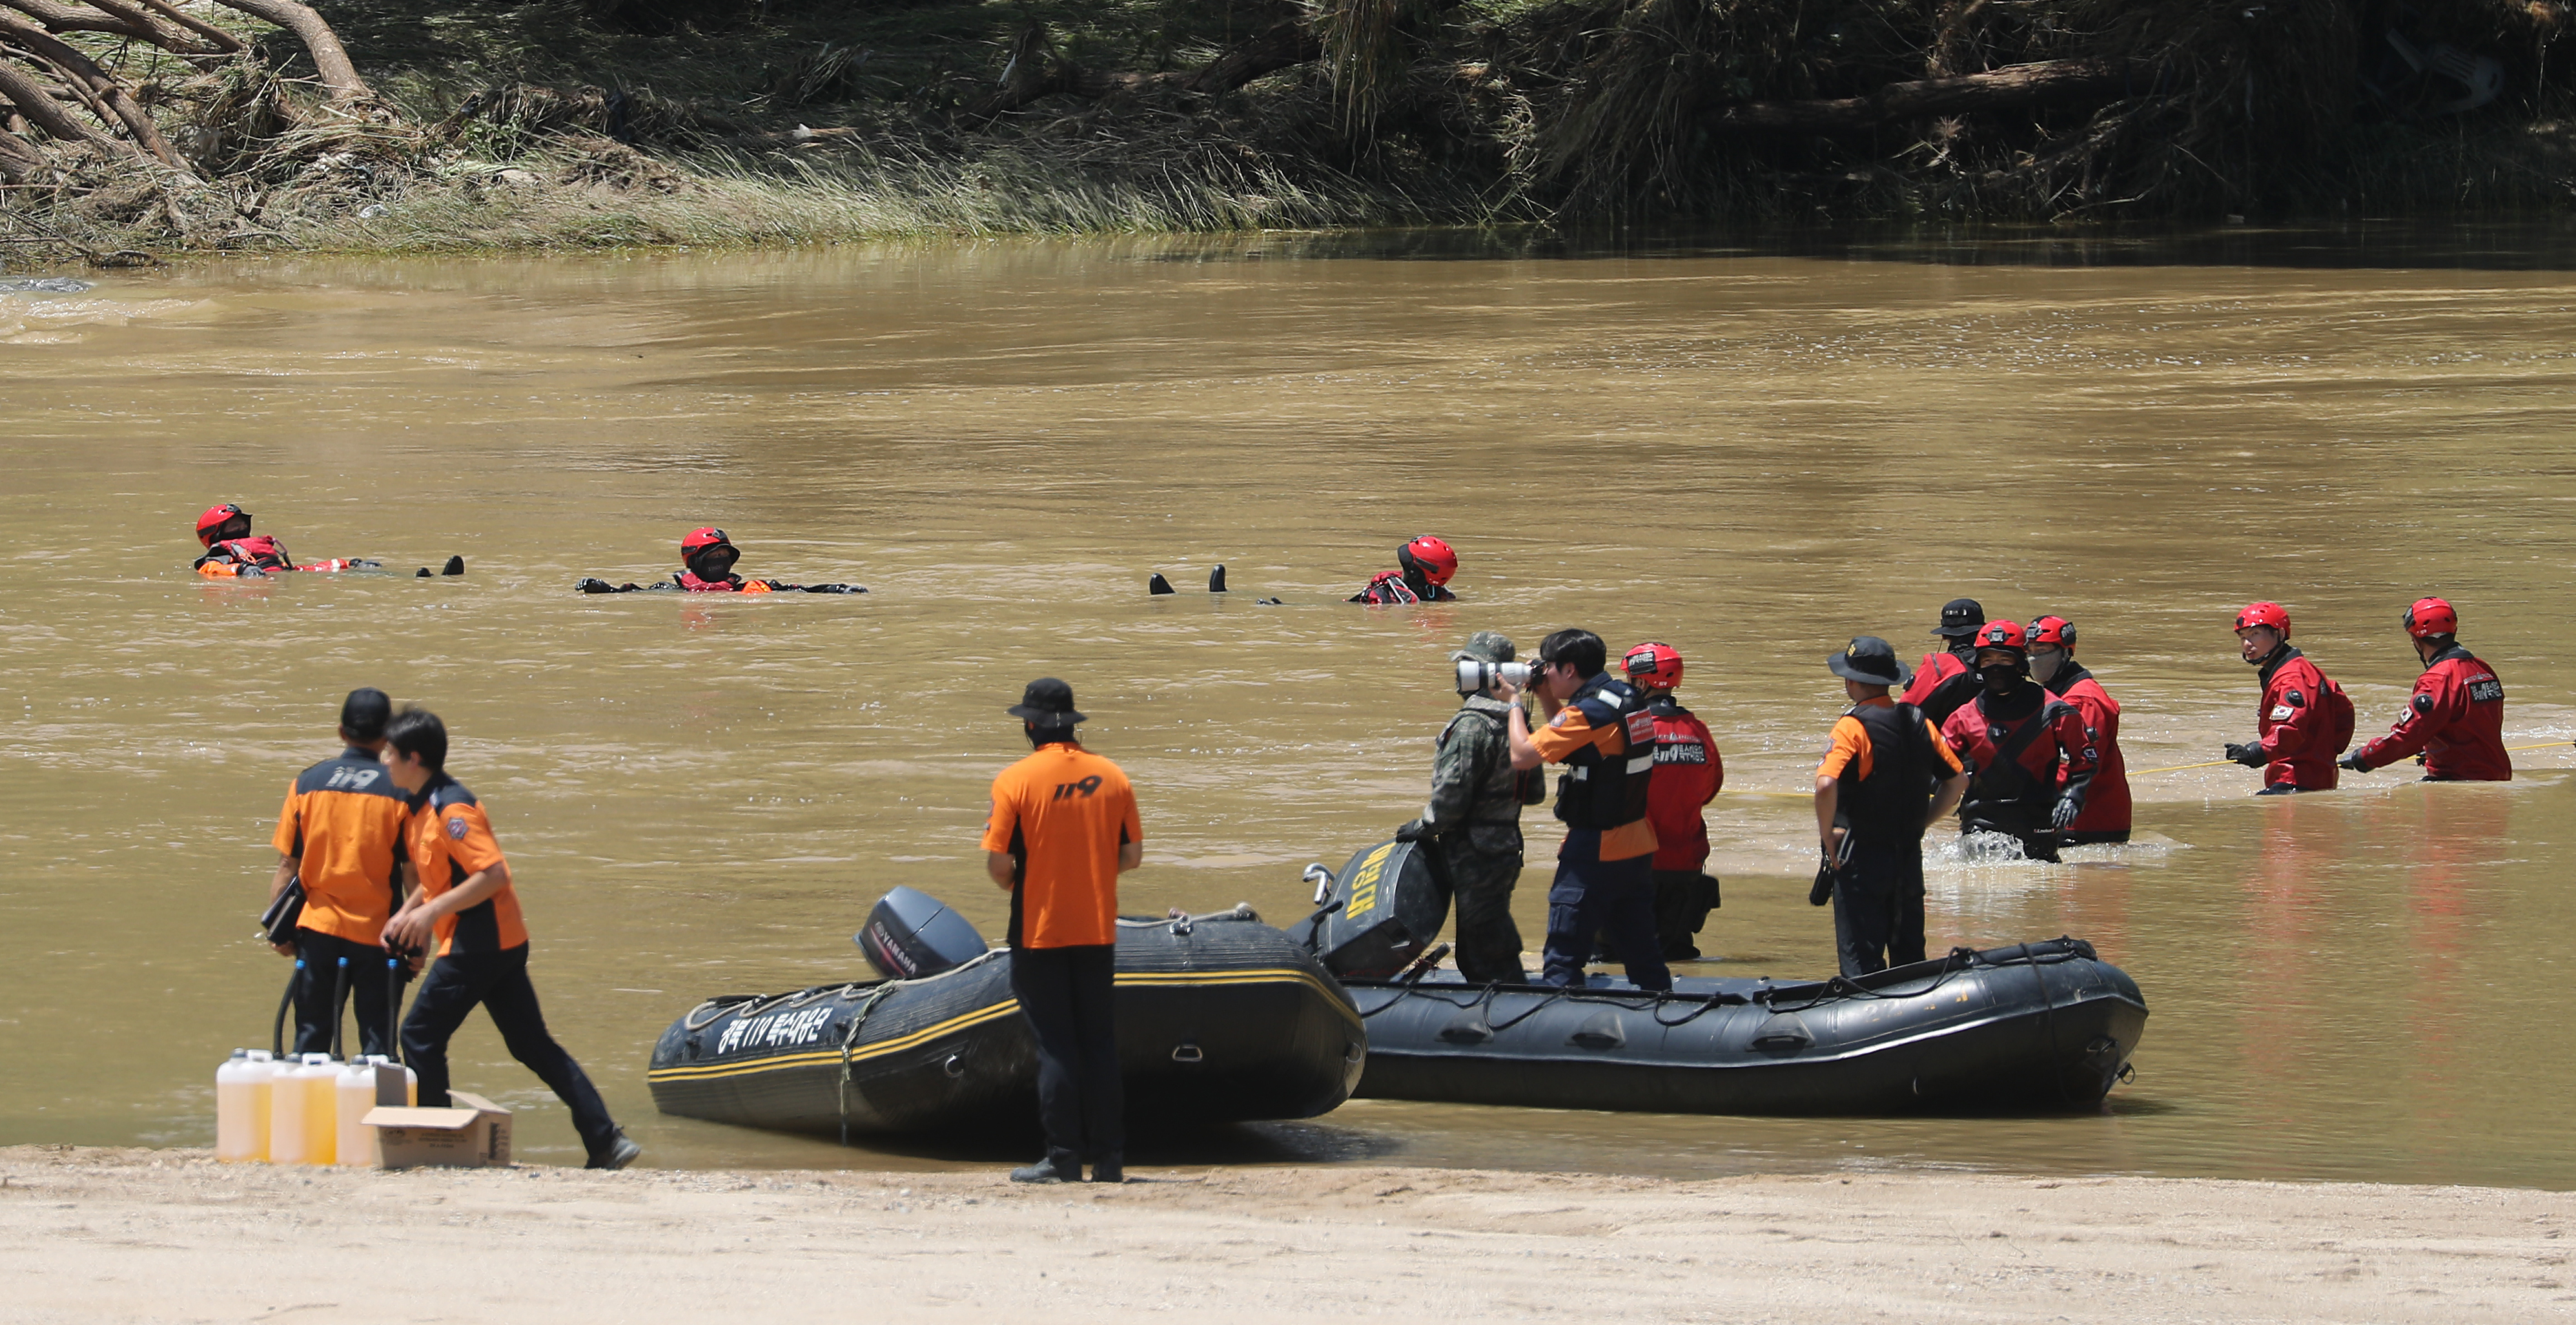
(2043, 666)
(2002, 678)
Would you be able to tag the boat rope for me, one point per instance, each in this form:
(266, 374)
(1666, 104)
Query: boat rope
(714, 1008)
(849, 1041)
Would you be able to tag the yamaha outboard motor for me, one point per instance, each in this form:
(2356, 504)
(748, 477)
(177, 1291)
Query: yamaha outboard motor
(1393, 898)
(910, 935)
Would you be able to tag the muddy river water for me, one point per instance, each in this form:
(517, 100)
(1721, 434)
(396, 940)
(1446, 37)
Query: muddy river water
(1751, 454)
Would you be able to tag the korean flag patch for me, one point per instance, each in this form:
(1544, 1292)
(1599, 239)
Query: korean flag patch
(2282, 712)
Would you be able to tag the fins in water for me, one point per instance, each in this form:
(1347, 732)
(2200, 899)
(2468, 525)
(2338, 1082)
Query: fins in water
(455, 566)
(421, 574)
(1216, 579)
(1158, 585)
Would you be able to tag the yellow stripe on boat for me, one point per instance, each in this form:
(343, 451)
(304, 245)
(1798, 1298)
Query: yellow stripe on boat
(1006, 1007)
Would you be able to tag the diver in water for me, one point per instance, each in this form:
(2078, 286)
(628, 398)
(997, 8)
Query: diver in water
(1423, 568)
(706, 566)
(233, 552)
(2029, 758)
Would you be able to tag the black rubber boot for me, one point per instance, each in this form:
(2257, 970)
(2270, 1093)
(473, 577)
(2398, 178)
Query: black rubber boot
(1058, 1166)
(1111, 1167)
(619, 1155)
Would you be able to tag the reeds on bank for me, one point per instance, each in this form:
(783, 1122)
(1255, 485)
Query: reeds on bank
(793, 121)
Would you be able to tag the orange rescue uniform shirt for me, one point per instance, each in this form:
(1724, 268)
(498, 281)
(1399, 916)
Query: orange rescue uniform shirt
(1851, 742)
(451, 841)
(343, 823)
(1063, 812)
(1570, 731)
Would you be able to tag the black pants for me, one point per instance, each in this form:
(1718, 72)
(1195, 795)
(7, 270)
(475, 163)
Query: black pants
(1878, 906)
(1681, 912)
(1591, 896)
(498, 981)
(317, 1014)
(1067, 993)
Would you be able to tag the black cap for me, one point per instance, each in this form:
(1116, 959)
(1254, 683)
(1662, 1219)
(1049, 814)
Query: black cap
(1960, 617)
(1047, 702)
(365, 712)
(1870, 661)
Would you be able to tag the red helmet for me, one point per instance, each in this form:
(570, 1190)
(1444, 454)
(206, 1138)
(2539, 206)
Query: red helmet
(1437, 559)
(2003, 635)
(2430, 616)
(2055, 630)
(210, 526)
(1654, 666)
(2264, 614)
(700, 542)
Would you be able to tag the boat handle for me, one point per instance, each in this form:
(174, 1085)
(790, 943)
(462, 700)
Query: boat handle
(1187, 1053)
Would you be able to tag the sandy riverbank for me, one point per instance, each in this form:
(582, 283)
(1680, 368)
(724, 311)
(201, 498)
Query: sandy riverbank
(88, 1234)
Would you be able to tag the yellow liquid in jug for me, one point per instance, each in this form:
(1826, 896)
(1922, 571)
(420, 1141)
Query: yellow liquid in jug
(321, 1116)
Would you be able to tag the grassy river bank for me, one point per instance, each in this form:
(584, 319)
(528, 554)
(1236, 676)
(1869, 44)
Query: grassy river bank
(610, 123)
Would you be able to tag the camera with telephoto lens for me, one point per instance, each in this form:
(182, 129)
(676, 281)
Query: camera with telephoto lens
(1475, 678)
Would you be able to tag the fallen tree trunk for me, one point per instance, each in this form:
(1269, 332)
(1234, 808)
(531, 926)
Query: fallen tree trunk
(330, 58)
(98, 83)
(35, 101)
(2001, 89)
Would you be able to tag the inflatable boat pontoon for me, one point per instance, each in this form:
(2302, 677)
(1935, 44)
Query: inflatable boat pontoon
(2036, 1025)
(1220, 1018)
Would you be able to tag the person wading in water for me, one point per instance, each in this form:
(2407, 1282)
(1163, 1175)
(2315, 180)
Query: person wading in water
(1886, 779)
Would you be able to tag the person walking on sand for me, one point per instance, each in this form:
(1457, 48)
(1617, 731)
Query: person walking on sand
(1062, 829)
(462, 897)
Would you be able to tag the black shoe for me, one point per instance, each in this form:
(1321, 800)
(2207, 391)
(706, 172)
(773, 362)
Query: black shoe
(1158, 585)
(619, 1155)
(1112, 1168)
(1050, 1169)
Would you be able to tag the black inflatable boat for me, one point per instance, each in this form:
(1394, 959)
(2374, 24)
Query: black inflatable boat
(1220, 1018)
(2036, 1025)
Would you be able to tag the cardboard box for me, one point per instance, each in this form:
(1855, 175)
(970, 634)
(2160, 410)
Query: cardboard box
(474, 1133)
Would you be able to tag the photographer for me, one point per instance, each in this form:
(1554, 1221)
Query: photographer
(1600, 728)
(1474, 816)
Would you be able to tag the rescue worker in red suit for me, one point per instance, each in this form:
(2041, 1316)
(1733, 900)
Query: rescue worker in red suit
(2105, 817)
(232, 551)
(2455, 719)
(706, 566)
(1423, 568)
(1949, 678)
(2029, 764)
(1688, 772)
(2303, 720)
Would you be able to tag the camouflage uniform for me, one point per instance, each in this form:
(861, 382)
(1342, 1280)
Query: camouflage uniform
(1475, 814)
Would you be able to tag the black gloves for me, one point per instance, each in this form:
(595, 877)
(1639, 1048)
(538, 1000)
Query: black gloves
(2251, 756)
(2065, 811)
(2353, 762)
(1413, 831)
(835, 588)
(589, 584)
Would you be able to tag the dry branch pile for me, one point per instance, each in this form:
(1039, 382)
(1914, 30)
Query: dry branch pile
(211, 123)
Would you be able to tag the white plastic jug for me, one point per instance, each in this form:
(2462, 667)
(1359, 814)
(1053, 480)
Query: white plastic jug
(285, 1114)
(353, 1092)
(315, 1117)
(261, 1077)
(238, 1136)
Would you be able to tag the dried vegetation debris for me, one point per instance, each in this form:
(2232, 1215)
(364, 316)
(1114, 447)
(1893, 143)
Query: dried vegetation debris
(129, 124)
